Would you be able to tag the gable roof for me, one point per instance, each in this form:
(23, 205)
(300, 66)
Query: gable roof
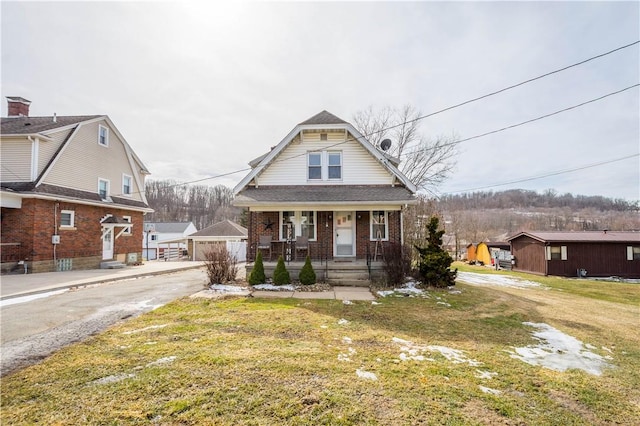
(171, 227)
(225, 228)
(33, 125)
(323, 118)
(581, 236)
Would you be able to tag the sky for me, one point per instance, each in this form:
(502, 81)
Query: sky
(198, 89)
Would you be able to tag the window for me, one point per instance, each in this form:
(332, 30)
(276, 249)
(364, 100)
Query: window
(287, 222)
(335, 165)
(633, 253)
(154, 237)
(301, 223)
(556, 252)
(128, 229)
(103, 188)
(315, 166)
(379, 225)
(103, 135)
(308, 225)
(126, 184)
(67, 218)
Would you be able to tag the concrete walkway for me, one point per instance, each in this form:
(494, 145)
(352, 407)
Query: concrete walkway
(339, 293)
(27, 284)
(19, 285)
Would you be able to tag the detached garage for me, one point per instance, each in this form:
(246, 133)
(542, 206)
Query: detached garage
(231, 234)
(571, 254)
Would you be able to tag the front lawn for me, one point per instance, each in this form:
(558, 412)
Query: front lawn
(445, 357)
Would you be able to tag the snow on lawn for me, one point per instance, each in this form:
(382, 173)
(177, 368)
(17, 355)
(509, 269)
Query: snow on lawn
(411, 351)
(151, 327)
(497, 280)
(366, 375)
(123, 376)
(271, 287)
(228, 289)
(408, 289)
(560, 352)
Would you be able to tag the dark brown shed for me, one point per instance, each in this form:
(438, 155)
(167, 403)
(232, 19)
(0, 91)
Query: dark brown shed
(598, 253)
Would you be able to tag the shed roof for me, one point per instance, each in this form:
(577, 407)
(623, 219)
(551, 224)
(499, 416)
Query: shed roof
(581, 236)
(225, 228)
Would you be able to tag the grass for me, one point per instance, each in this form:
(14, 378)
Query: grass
(275, 361)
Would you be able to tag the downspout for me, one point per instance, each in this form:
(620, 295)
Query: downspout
(55, 231)
(402, 226)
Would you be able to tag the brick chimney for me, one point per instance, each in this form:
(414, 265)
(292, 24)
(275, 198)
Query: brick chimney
(18, 107)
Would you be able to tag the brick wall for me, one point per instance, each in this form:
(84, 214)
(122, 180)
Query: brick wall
(34, 224)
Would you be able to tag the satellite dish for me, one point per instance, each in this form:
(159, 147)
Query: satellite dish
(385, 144)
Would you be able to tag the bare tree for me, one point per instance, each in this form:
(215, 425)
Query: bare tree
(426, 162)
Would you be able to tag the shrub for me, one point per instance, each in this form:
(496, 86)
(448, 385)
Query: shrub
(281, 275)
(257, 275)
(397, 262)
(434, 264)
(221, 266)
(307, 274)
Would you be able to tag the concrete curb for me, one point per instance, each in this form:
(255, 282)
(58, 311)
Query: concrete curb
(94, 281)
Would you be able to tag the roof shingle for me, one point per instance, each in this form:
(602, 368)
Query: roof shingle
(323, 194)
(31, 125)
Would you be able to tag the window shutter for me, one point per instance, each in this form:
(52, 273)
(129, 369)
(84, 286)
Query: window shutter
(563, 252)
(548, 252)
(629, 253)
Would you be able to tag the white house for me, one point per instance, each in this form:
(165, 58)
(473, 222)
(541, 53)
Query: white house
(166, 240)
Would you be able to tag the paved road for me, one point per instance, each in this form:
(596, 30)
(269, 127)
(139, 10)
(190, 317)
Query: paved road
(32, 330)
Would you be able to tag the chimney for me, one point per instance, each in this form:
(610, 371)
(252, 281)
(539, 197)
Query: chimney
(18, 107)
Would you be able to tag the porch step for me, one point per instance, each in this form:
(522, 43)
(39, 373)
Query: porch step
(112, 264)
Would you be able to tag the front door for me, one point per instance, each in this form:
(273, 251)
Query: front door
(344, 227)
(107, 244)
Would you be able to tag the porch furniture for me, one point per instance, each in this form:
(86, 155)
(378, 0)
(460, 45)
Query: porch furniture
(302, 243)
(265, 244)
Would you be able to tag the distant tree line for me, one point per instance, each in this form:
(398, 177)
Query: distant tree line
(201, 204)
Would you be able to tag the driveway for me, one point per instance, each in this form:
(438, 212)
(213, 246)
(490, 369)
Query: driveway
(37, 327)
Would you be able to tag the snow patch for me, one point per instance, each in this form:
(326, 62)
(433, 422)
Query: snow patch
(408, 289)
(489, 390)
(456, 356)
(287, 287)
(347, 340)
(485, 374)
(558, 351)
(496, 280)
(373, 302)
(366, 375)
(228, 289)
(25, 299)
(113, 379)
(343, 321)
(165, 360)
(347, 302)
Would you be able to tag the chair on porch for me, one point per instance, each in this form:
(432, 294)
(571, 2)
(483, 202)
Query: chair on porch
(302, 243)
(265, 244)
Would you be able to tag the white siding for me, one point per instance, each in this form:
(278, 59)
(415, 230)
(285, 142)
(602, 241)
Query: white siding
(15, 160)
(358, 165)
(83, 161)
(48, 148)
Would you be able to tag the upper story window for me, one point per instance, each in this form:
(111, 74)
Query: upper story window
(67, 218)
(335, 165)
(103, 135)
(324, 165)
(126, 184)
(379, 225)
(103, 188)
(315, 166)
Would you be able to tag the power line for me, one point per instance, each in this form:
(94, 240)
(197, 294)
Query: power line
(444, 110)
(554, 173)
(527, 121)
(509, 87)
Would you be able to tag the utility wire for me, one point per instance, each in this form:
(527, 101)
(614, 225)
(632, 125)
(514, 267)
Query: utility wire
(525, 122)
(437, 112)
(555, 173)
(509, 87)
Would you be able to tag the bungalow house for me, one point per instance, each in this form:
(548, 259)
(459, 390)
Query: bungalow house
(72, 192)
(166, 240)
(570, 254)
(226, 232)
(326, 191)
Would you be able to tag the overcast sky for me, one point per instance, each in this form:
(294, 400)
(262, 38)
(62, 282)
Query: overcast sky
(198, 89)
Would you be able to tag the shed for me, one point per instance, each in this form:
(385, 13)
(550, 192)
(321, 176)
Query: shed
(570, 254)
(233, 235)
